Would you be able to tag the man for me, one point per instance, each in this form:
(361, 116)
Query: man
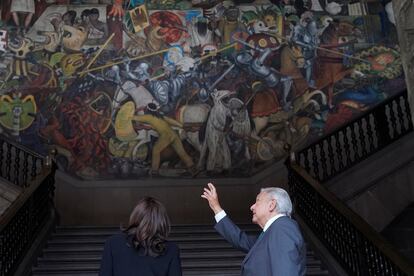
(97, 30)
(280, 249)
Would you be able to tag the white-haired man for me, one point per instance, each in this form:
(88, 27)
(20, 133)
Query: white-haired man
(279, 250)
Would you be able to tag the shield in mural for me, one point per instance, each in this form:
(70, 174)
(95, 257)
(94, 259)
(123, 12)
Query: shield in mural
(17, 114)
(139, 18)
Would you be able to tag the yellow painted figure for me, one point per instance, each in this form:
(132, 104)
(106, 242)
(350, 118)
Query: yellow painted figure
(167, 137)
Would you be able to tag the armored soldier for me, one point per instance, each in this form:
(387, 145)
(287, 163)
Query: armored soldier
(305, 34)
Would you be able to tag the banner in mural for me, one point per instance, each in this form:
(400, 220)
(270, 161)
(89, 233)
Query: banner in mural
(128, 89)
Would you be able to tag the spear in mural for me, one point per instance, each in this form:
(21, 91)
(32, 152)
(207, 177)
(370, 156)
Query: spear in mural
(201, 59)
(212, 53)
(97, 54)
(122, 61)
(319, 48)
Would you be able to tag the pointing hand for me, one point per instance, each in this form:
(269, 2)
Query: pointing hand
(210, 194)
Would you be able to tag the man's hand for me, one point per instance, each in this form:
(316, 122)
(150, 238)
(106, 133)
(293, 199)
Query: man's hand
(117, 9)
(210, 194)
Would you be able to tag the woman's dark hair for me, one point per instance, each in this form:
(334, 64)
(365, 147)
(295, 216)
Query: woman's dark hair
(149, 227)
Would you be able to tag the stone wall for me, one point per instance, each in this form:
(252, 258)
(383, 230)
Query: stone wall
(110, 202)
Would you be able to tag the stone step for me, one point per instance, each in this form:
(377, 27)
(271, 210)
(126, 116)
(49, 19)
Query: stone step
(97, 251)
(105, 235)
(213, 243)
(184, 255)
(208, 269)
(78, 250)
(234, 255)
(183, 228)
(101, 239)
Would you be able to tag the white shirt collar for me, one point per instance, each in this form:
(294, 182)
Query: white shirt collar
(271, 220)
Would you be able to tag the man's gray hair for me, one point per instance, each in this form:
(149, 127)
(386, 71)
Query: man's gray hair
(283, 202)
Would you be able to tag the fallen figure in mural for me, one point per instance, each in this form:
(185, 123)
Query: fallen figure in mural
(166, 137)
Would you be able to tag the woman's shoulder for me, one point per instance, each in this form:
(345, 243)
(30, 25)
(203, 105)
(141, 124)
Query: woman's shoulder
(117, 237)
(172, 246)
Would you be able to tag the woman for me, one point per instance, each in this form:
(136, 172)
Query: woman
(142, 248)
(22, 7)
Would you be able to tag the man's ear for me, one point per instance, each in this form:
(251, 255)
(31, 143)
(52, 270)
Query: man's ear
(272, 205)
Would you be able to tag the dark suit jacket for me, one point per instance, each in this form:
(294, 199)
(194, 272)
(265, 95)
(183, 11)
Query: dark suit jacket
(121, 259)
(280, 251)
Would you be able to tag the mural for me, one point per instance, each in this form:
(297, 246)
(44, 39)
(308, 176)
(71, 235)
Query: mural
(129, 89)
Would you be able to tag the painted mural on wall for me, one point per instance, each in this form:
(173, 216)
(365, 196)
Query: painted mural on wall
(176, 88)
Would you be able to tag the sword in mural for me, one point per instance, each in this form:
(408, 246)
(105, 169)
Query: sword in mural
(211, 87)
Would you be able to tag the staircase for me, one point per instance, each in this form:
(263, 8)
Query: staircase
(400, 232)
(77, 251)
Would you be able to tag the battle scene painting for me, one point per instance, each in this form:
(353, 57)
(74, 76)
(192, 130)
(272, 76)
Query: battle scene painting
(134, 89)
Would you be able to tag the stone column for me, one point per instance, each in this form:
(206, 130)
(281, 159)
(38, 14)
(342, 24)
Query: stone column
(404, 18)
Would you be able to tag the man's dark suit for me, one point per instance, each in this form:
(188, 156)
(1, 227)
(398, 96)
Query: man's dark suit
(280, 251)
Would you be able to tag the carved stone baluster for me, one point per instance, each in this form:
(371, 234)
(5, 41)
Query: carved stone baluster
(33, 172)
(331, 155)
(377, 267)
(8, 161)
(16, 172)
(301, 159)
(2, 157)
(306, 160)
(387, 268)
(339, 152)
(382, 126)
(365, 256)
(315, 163)
(407, 111)
(25, 170)
(353, 248)
(355, 141)
(362, 136)
(393, 119)
(370, 133)
(400, 116)
(347, 149)
(323, 161)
